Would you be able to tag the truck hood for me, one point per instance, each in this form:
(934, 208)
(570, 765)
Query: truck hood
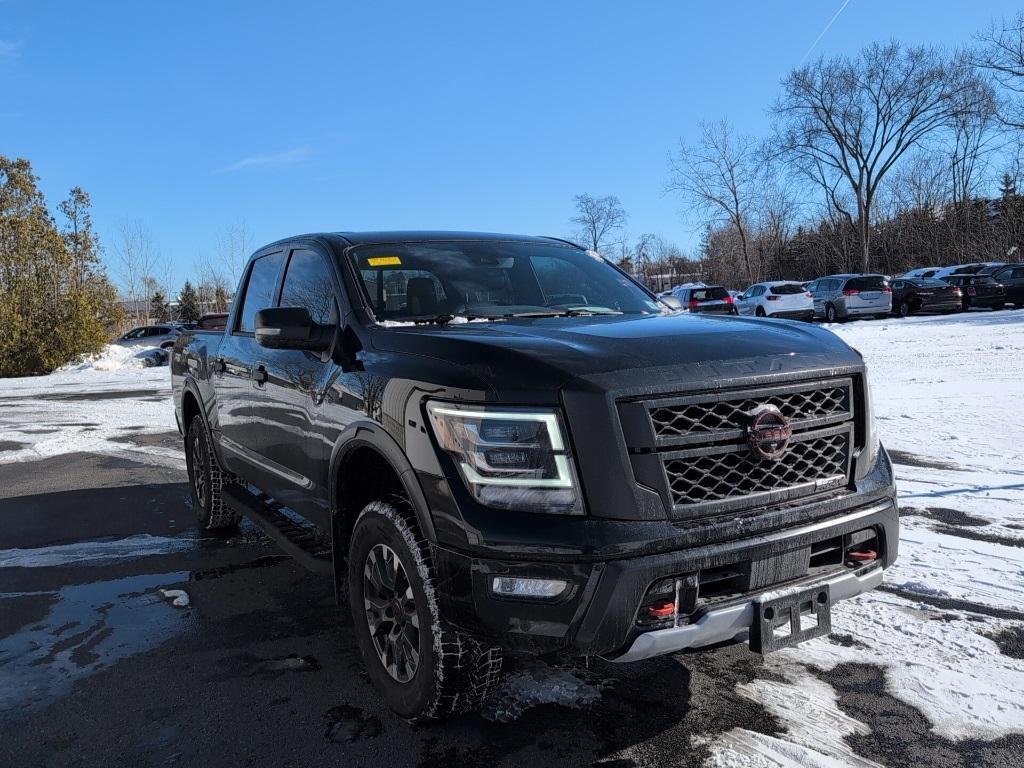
(546, 353)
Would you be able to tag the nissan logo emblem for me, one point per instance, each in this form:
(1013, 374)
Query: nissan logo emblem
(769, 432)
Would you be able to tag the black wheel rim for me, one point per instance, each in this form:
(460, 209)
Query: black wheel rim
(198, 473)
(904, 309)
(391, 613)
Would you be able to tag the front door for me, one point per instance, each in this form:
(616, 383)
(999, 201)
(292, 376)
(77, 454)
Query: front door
(290, 439)
(234, 367)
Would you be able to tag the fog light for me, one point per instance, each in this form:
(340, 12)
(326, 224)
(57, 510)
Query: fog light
(506, 586)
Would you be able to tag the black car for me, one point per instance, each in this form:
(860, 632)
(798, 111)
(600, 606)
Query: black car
(924, 294)
(1011, 277)
(496, 443)
(978, 291)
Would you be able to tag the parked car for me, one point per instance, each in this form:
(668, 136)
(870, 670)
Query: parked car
(776, 299)
(921, 272)
(991, 268)
(964, 269)
(842, 297)
(978, 291)
(922, 294)
(1011, 277)
(698, 297)
(162, 336)
(483, 466)
(212, 321)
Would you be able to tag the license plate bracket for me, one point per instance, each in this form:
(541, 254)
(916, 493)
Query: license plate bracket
(782, 621)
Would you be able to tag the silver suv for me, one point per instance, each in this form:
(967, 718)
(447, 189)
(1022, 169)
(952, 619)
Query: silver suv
(841, 297)
(162, 336)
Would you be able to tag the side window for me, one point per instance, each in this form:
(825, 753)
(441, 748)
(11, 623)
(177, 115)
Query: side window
(812, 287)
(307, 283)
(759, 290)
(259, 290)
(897, 285)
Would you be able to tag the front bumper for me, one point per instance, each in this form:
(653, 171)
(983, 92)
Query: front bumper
(598, 613)
(733, 622)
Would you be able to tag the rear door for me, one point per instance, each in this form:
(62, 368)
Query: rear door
(293, 449)
(235, 365)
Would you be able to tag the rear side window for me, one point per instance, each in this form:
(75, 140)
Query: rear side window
(307, 283)
(869, 283)
(709, 294)
(259, 291)
(788, 289)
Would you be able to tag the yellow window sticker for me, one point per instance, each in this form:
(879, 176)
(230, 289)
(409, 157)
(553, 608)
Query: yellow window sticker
(384, 261)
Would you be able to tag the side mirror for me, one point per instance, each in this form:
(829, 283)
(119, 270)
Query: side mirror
(292, 328)
(672, 303)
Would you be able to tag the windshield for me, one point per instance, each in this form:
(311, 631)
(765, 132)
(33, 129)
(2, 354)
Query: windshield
(787, 289)
(486, 280)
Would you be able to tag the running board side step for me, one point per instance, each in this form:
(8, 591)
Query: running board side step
(301, 542)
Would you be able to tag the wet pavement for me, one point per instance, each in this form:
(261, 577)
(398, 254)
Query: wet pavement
(258, 666)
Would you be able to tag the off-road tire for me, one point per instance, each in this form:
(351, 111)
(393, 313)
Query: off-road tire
(455, 670)
(212, 514)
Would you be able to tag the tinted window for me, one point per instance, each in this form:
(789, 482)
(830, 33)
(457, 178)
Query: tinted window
(307, 283)
(259, 291)
(787, 289)
(867, 283)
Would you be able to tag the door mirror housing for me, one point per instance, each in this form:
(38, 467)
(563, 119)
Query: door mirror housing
(672, 303)
(292, 328)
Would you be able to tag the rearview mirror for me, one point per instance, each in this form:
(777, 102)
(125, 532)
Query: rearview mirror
(291, 328)
(672, 302)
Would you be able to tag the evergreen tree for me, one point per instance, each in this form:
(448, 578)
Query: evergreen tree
(54, 297)
(158, 308)
(188, 303)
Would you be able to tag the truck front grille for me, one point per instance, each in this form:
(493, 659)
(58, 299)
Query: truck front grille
(735, 472)
(694, 449)
(679, 419)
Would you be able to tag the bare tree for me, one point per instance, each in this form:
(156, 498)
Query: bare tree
(234, 246)
(1001, 53)
(599, 220)
(140, 268)
(718, 178)
(849, 121)
(974, 138)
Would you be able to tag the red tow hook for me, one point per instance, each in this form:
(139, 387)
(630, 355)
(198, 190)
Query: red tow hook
(662, 609)
(862, 555)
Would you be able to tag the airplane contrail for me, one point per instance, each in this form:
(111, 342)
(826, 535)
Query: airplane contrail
(826, 29)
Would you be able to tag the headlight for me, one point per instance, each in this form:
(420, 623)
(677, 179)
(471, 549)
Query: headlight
(512, 458)
(869, 453)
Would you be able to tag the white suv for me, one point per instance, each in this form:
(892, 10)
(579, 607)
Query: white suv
(778, 299)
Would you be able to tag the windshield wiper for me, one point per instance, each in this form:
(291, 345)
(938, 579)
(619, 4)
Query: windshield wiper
(570, 312)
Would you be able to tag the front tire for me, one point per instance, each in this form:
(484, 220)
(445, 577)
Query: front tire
(424, 668)
(207, 481)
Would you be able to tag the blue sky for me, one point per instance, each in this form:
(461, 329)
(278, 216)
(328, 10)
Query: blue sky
(337, 115)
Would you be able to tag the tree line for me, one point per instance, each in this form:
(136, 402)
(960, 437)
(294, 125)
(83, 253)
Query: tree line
(896, 157)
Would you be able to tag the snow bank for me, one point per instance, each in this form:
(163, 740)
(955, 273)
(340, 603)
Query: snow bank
(114, 358)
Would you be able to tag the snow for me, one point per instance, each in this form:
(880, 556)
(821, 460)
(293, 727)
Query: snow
(533, 683)
(93, 405)
(176, 597)
(85, 553)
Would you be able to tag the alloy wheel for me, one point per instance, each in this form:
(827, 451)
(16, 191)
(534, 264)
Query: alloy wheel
(198, 473)
(391, 613)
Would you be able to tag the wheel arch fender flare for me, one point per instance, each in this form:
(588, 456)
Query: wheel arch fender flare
(369, 434)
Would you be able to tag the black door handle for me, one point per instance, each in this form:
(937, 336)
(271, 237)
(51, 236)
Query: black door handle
(259, 374)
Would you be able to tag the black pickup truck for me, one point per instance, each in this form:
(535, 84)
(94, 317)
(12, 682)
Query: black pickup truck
(498, 443)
